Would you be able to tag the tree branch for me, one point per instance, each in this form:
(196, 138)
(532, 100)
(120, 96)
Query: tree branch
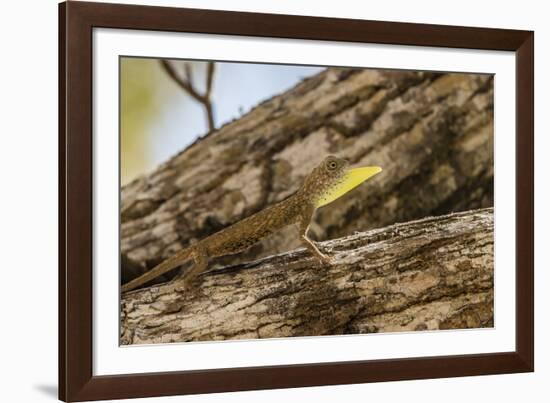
(434, 273)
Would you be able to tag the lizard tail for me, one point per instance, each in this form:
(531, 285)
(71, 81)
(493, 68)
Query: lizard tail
(171, 263)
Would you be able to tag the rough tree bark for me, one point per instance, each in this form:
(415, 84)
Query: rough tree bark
(431, 132)
(434, 273)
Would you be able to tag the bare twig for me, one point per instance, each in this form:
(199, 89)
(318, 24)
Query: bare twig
(186, 83)
(209, 78)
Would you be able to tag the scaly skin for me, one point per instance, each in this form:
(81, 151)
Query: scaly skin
(296, 209)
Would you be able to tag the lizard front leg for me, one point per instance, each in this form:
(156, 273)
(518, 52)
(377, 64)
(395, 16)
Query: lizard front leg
(305, 219)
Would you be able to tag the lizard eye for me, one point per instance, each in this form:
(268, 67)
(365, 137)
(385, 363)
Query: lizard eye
(332, 165)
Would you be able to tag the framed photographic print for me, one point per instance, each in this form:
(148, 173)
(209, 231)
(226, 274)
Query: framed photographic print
(252, 201)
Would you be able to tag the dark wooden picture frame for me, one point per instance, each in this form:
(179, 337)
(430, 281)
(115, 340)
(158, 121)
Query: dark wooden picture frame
(76, 23)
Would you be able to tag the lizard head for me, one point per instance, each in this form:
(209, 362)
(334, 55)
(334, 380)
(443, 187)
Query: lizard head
(332, 178)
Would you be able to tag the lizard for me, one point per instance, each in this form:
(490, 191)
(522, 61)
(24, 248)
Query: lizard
(327, 182)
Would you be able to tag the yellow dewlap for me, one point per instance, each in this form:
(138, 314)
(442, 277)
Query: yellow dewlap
(353, 178)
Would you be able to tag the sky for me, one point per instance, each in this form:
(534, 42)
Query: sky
(159, 119)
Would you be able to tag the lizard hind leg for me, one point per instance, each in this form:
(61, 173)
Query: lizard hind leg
(200, 264)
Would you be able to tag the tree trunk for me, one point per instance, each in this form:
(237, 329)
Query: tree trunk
(431, 133)
(434, 273)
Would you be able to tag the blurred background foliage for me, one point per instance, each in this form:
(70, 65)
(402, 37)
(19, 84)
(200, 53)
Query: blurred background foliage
(159, 119)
